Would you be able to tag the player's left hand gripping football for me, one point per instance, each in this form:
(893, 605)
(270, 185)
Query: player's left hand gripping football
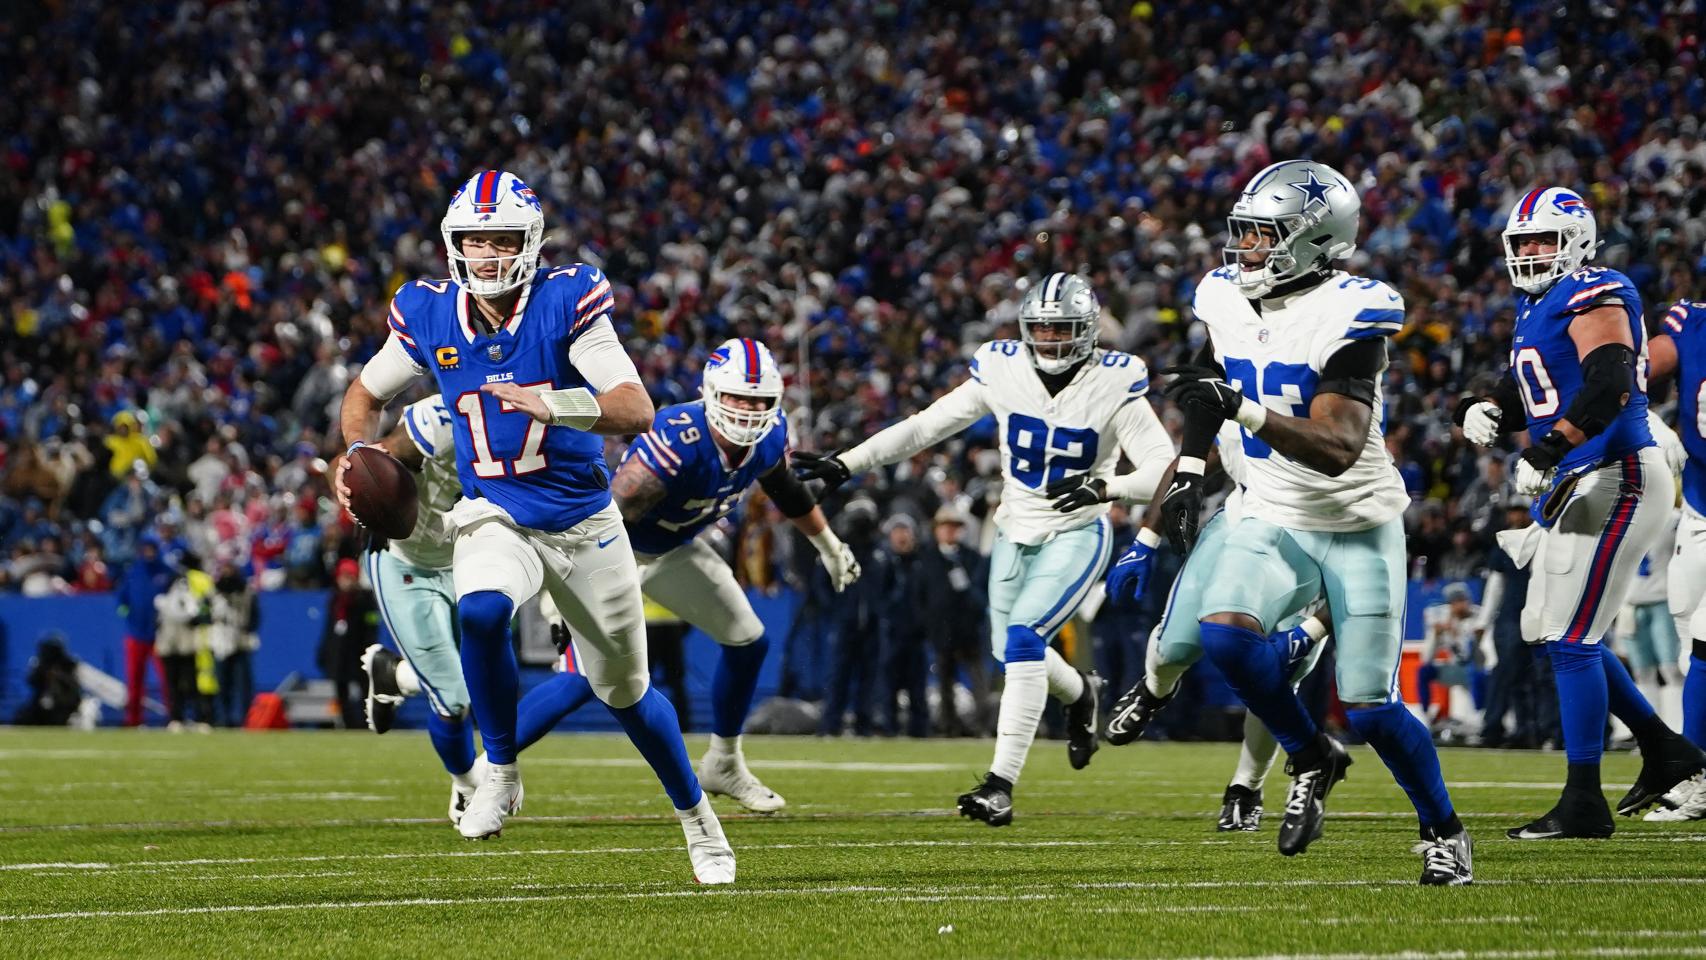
(1539, 464)
(1074, 493)
(1130, 573)
(820, 466)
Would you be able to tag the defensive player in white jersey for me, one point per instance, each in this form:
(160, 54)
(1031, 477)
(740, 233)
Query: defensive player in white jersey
(417, 598)
(1176, 642)
(1065, 410)
(1295, 354)
(1602, 489)
(528, 360)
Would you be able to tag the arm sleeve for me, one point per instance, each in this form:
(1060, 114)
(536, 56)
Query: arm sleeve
(598, 355)
(959, 409)
(1145, 443)
(790, 495)
(1354, 368)
(392, 369)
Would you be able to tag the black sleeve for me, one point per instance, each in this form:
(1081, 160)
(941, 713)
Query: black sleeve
(1608, 381)
(1352, 371)
(1201, 424)
(1513, 416)
(1205, 357)
(789, 493)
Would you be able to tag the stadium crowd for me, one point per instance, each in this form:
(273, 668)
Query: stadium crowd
(200, 226)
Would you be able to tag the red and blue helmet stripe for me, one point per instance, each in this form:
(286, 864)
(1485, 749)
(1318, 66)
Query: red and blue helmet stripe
(754, 370)
(1525, 209)
(486, 192)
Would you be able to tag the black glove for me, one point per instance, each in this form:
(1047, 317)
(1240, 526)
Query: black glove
(1204, 387)
(1181, 511)
(820, 466)
(1072, 493)
(1548, 453)
(560, 636)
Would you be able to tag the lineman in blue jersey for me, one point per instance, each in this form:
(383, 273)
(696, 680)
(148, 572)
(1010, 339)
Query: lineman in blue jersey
(529, 364)
(689, 471)
(1603, 492)
(1295, 354)
(1680, 348)
(1065, 411)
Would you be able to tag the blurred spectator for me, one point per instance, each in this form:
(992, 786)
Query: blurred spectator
(1520, 684)
(234, 638)
(185, 613)
(855, 624)
(352, 623)
(1457, 651)
(55, 693)
(953, 609)
(903, 638)
(146, 578)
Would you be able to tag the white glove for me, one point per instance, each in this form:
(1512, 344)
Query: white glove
(838, 559)
(1676, 455)
(1531, 482)
(1481, 424)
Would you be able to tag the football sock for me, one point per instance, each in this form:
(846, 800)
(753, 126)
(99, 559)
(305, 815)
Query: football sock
(724, 745)
(1582, 696)
(1408, 751)
(408, 681)
(547, 704)
(1254, 667)
(1022, 703)
(453, 738)
(733, 684)
(1161, 678)
(1694, 697)
(1064, 683)
(1255, 755)
(488, 664)
(1623, 697)
(652, 725)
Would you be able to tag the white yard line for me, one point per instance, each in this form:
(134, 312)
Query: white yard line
(1468, 954)
(841, 766)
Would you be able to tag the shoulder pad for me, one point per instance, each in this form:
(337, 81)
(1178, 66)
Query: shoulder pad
(991, 353)
(1375, 309)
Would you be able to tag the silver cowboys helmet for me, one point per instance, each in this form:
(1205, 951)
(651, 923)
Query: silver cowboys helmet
(1293, 218)
(1063, 299)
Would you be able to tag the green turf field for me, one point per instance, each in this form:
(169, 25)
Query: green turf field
(316, 844)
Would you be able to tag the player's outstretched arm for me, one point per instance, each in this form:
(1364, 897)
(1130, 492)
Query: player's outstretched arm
(636, 489)
(956, 410)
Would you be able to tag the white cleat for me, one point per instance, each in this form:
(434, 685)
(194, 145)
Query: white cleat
(713, 858)
(1685, 801)
(496, 800)
(724, 774)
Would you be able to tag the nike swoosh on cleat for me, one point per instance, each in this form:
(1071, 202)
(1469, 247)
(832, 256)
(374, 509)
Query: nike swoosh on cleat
(1527, 834)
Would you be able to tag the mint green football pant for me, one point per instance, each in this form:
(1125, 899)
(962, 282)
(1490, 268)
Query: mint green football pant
(419, 607)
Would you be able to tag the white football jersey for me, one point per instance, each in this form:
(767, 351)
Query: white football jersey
(1275, 356)
(437, 486)
(1082, 429)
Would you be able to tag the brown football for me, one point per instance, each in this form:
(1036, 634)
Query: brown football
(381, 493)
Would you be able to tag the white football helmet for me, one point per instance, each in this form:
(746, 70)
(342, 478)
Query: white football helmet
(494, 200)
(1306, 211)
(1560, 214)
(1061, 298)
(742, 368)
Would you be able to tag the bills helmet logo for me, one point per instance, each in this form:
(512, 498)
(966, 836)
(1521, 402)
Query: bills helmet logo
(1571, 204)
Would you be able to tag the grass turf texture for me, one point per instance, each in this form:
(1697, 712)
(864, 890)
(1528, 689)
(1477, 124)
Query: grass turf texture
(124, 843)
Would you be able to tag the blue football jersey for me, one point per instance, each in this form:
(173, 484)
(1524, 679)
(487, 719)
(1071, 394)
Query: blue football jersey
(701, 485)
(1686, 324)
(547, 477)
(1547, 368)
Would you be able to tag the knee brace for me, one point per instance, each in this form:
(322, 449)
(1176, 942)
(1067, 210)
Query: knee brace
(484, 613)
(1024, 644)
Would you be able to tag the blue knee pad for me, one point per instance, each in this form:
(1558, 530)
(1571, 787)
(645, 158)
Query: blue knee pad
(484, 613)
(1024, 644)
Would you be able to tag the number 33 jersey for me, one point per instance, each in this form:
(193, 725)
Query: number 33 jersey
(1274, 355)
(1044, 438)
(546, 477)
(701, 486)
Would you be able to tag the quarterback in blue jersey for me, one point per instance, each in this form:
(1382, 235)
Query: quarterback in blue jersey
(689, 471)
(1680, 349)
(1603, 493)
(531, 370)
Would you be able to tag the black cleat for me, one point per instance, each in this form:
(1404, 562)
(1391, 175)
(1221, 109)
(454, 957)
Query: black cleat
(991, 802)
(1579, 815)
(1081, 722)
(1672, 760)
(1132, 713)
(1240, 809)
(1306, 803)
(383, 694)
(1446, 860)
